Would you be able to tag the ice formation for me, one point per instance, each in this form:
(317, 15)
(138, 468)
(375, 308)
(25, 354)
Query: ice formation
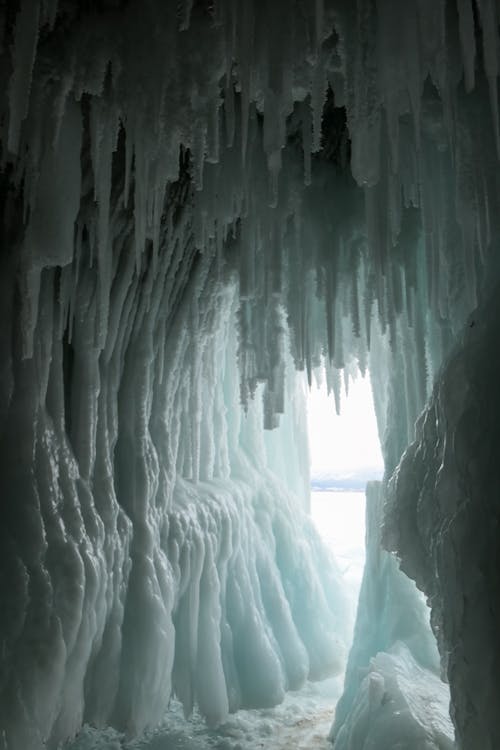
(392, 618)
(399, 704)
(198, 198)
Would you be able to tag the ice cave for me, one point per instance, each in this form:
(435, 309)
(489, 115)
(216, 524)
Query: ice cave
(204, 202)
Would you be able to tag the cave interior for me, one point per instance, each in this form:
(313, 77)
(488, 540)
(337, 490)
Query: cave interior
(205, 203)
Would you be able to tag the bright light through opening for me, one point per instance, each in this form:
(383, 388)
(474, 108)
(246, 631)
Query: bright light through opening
(348, 444)
(345, 453)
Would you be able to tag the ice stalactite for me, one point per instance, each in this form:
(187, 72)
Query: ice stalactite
(415, 141)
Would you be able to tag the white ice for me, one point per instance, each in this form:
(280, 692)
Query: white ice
(399, 705)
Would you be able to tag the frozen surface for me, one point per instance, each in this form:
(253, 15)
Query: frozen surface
(301, 722)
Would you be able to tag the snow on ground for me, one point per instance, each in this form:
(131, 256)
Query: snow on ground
(301, 722)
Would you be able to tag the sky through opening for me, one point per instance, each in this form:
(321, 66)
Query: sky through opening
(345, 445)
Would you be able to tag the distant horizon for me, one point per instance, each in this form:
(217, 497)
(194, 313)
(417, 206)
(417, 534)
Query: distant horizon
(352, 480)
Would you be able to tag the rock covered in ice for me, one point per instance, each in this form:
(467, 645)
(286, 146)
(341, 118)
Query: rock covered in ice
(399, 704)
(390, 611)
(443, 521)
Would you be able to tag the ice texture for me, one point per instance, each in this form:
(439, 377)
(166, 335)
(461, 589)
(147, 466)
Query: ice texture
(191, 193)
(151, 556)
(234, 88)
(392, 628)
(398, 704)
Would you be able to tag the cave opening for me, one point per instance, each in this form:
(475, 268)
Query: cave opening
(345, 454)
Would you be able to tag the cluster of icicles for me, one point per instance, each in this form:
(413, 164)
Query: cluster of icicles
(234, 83)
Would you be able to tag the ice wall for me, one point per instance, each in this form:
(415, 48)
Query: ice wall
(147, 545)
(337, 166)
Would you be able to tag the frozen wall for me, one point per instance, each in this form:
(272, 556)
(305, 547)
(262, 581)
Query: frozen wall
(328, 175)
(147, 545)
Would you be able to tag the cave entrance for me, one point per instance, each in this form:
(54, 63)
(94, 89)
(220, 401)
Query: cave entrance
(344, 453)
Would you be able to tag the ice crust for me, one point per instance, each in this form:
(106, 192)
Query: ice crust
(166, 169)
(392, 618)
(398, 705)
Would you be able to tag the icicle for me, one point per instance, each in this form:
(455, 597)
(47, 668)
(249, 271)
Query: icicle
(141, 186)
(30, 284)
(318, 95)
(468, 41)
(104, 127)
(25, 45)
(50, 12)
(339, 359)
(337, 388)
(319, 21)
(274, 167)
(487, 218)
(345, 373)
(489, 24)
(156, 225)
(129, 155)
(186, 9)
(198, 152)
(365, 159)
(213, 140)
(229, 113)
(60, 105)
(306, 141)
(245, 53)
(50, 233)
(354, 306)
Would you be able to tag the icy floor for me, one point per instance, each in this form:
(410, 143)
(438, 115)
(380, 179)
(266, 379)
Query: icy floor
(303, 720)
